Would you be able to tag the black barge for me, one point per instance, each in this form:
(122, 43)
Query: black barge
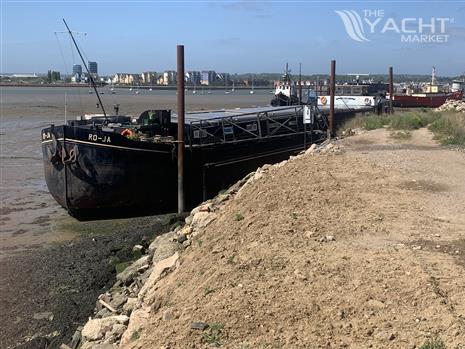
(118, 166)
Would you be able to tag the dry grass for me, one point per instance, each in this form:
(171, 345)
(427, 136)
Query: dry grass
(448, 127)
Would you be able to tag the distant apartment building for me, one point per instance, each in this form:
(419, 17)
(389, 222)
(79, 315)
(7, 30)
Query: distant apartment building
(148, 78)
(208, 77)
(93, 68)
(193, 77)
(118, 78)
(77, 73)
(224, 78)
(169, 77)
(126, 79)
(77, 69)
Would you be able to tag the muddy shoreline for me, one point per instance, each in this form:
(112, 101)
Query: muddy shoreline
(49, 291)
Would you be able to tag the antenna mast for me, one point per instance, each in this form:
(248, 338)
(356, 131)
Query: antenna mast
(87, 69)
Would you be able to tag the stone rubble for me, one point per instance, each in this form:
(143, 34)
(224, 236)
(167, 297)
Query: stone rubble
(121, 311)
(452, 105)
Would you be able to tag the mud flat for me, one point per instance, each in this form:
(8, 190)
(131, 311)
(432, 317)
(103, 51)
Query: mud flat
(47, 291)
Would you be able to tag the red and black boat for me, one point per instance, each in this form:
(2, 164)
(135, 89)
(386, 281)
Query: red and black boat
(430, 95)
(427, 100)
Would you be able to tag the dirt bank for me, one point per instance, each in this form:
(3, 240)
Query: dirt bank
(351, 249)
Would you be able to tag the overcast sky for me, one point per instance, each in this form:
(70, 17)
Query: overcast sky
(233, 36)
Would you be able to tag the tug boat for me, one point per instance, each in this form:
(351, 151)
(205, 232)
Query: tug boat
(285, 92)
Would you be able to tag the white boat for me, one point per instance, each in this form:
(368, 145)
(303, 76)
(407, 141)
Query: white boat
(252, 91)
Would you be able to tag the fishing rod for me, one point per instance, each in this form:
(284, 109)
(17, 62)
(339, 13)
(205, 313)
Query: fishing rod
(87, 69)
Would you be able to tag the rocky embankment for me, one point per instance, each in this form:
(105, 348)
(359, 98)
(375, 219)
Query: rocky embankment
(119, 311)
(353, 244)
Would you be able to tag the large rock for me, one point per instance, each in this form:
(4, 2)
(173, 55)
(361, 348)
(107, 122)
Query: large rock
(115, 334)
(202, 219)
(132, 304)
(205, 207)
(164, 246)
(158, 272)
(139, 319)
(128, 274)
(96, 329)
(118, 299)
(312, 149)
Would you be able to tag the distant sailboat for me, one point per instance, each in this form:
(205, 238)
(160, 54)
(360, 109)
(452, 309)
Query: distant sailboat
(252, 90)
(233, 89)
(195, 89)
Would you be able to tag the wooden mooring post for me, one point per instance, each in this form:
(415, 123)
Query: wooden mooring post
(391, 91)
(332, 91)
(180, 120)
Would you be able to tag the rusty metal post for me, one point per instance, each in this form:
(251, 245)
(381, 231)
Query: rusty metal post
(300, 83)
(391, 91)
(332, 91)
(180, 120)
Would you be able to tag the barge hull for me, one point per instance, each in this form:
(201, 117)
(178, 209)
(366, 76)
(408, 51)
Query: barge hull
(97, 180)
